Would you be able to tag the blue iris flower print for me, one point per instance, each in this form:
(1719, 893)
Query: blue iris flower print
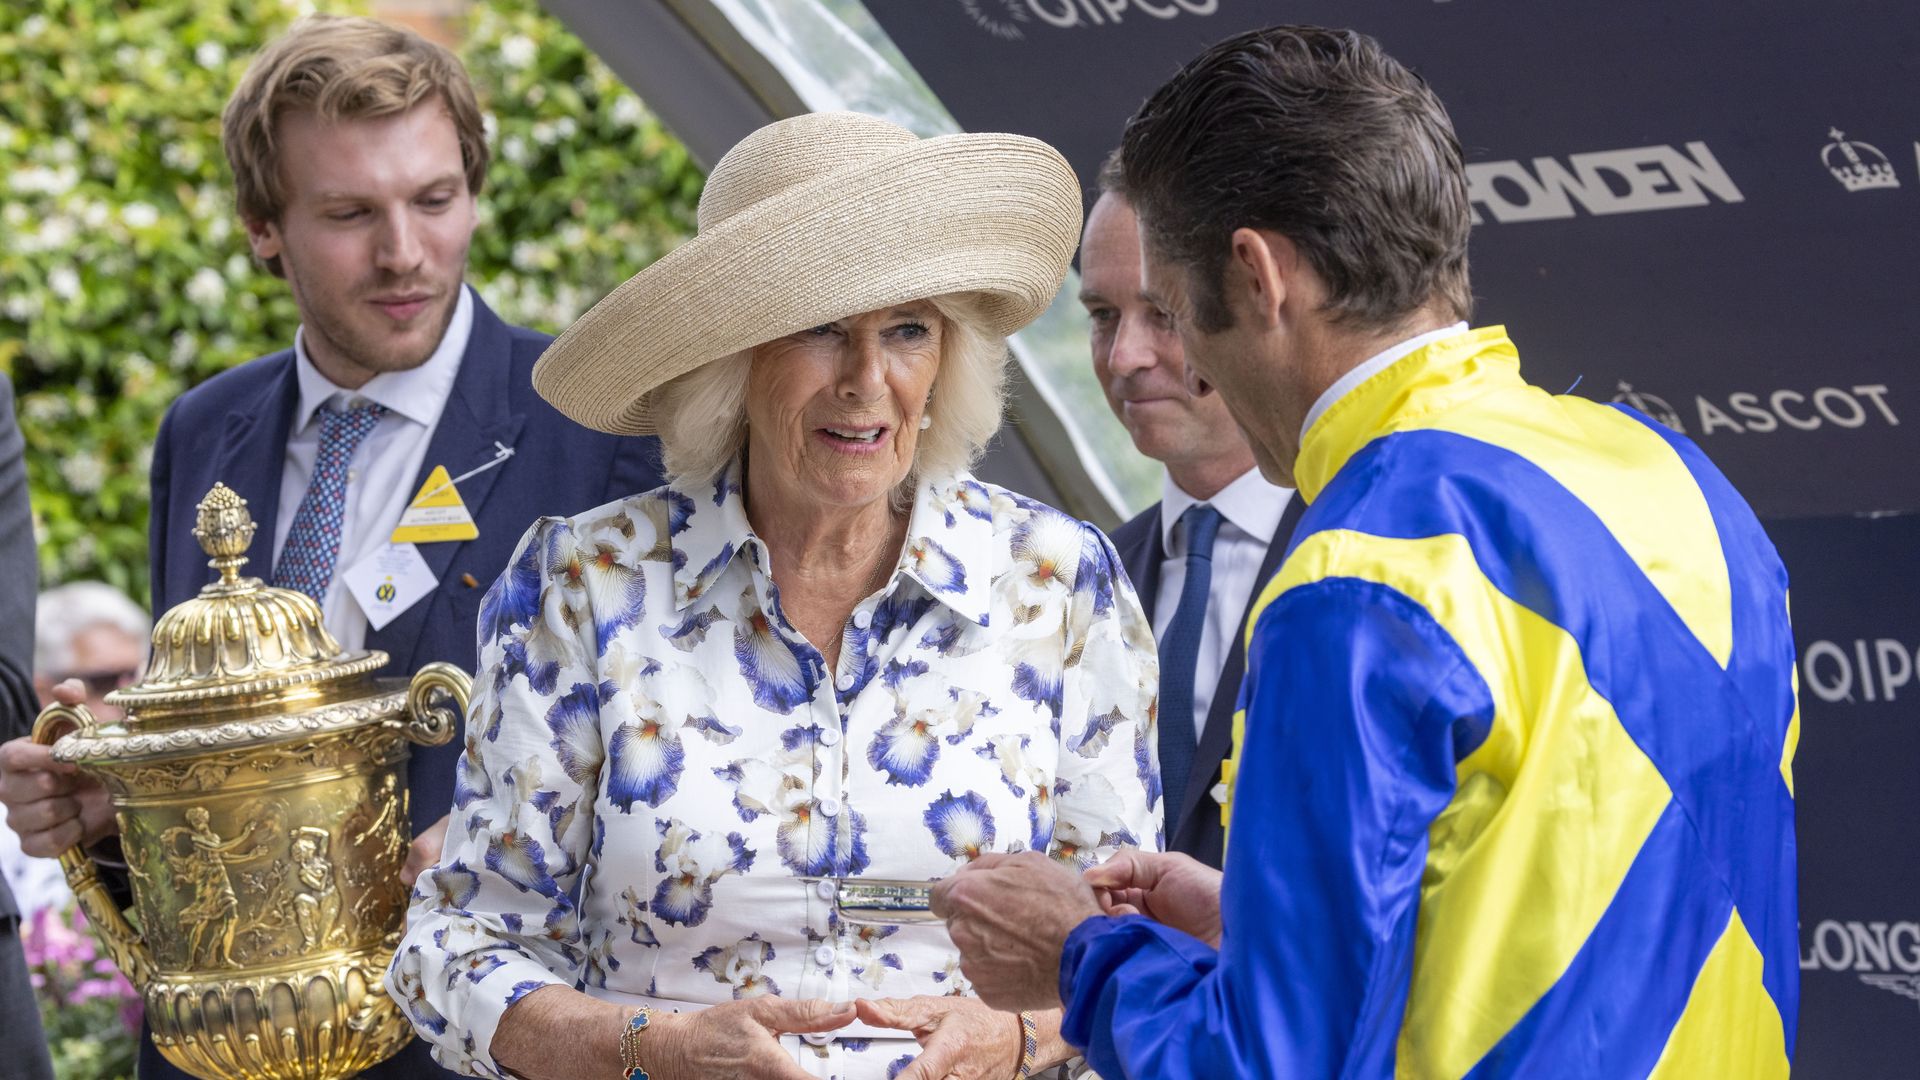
(475, 967)
(455, 885)
(1044, 685)
(691, 631)
(470, 780)
(710, 726)
(1091, 742)
(689, 865)
(740, 966)
(962, 825)
(633, 916)
(514, 599)
(679, 511)
(542, 648)
(768, 664)
(1040, 816)
(968, 497)
(522, 989)
(646, 759)
(815, 844)
(614, 592)
(1144, 766)
(414, 997)
(600, 959)
(703, 581)
(574, 721)
(725, 484)
(905, 748)
(520, 860)
(936, 567)
(1096, 574)
(899, 1065)
(870, 963)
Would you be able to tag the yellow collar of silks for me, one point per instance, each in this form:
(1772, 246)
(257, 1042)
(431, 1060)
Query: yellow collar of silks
(1432, 379)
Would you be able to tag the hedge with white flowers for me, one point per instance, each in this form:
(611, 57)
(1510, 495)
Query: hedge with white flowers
(124, 275)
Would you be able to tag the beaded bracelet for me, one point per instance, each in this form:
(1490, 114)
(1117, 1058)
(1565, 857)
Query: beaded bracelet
(630, 1043)
(1029, 1047)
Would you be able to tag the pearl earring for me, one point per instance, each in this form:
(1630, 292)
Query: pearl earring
(926, 421)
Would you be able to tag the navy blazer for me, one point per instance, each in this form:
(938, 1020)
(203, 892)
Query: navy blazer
(233, 429)
(1194, 827)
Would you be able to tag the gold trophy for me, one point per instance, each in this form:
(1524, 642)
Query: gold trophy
(259, 780)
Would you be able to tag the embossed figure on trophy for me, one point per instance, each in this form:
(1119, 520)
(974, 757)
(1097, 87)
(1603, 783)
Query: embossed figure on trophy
(392, 808)
(317, 903)
(214, 914)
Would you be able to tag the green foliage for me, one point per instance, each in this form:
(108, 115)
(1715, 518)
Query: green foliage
(125, 278)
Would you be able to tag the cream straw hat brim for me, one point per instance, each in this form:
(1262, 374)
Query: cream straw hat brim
(815, 219)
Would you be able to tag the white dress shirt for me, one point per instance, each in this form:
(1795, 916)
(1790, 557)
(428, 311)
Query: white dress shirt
(381, 477)
(1372, 366)
(1250, 510)
(660, 770)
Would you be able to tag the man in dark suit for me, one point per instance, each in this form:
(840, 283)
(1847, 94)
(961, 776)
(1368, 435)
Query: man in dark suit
(360, 191)
(19, 572)
(1198, 557)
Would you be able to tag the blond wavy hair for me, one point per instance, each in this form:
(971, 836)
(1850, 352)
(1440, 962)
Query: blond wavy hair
(339, 68)
(701, 417)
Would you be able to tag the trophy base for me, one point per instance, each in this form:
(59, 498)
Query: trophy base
(314, 1023)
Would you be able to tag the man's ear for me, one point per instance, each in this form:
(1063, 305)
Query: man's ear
(264, 238)
(1259, 273)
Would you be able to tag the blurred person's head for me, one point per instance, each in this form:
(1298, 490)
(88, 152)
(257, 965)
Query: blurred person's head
(1302, 204)
(89, 631)
(357, 151)
(1138, 359)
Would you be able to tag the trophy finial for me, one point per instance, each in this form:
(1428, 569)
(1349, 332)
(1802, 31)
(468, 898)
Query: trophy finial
(224, 529)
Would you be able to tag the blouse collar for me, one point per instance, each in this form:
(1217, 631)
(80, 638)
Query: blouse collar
(948, 553)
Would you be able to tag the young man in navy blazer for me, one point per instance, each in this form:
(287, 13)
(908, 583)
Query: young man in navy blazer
(1218, 519)
(358, 154)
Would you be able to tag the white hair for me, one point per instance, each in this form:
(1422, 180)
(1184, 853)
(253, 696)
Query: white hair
(63, 613)
(701, 417)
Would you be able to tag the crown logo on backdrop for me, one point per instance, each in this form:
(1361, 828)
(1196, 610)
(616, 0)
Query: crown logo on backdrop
(1654, 406)
(1858, 166)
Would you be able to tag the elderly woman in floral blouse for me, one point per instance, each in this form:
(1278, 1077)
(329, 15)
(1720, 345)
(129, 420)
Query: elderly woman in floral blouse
(822, 652)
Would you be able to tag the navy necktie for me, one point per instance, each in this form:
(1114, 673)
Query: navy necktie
(313, 543)
(1179, 654)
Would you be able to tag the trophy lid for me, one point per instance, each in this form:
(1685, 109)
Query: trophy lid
(240, 644)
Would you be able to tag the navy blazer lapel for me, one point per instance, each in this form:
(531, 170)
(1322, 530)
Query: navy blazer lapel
(1142, 559)
(1216, 739)
(252, 460)
(476, 416)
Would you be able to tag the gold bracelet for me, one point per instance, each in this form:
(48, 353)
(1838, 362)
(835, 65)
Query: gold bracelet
(1029, 1047)
(630, 1043)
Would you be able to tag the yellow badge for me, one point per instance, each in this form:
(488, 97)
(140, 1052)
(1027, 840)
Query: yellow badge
(436, 514)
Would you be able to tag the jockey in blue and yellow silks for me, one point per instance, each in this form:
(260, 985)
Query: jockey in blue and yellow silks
(1516, 793)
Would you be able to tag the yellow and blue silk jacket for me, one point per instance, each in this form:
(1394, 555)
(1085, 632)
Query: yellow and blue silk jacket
(1515, 798)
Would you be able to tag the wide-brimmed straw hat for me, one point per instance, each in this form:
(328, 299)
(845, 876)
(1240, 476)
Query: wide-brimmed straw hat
(815, 219)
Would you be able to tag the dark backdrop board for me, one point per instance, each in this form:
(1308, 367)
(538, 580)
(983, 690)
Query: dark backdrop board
(1660, 213)
(1707, 210)
(1856, 585)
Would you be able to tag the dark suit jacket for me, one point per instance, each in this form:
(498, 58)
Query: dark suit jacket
(233, 428)
(19, 582)
(1194, 827)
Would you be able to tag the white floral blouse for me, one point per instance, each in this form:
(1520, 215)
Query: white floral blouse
(656, 761)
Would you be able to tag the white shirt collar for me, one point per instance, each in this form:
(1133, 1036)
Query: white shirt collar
(1373, 366)
(1253, 505)
(418, 393)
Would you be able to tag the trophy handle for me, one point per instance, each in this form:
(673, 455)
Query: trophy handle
(431, 716)
(123, 944)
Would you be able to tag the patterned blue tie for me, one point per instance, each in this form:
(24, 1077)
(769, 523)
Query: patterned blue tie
(1179, 654)
(313, 544)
